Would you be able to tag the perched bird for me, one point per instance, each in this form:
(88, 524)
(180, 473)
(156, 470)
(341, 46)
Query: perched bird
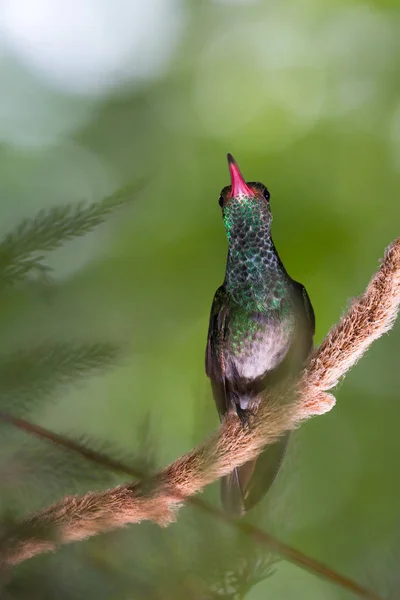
(261, 330)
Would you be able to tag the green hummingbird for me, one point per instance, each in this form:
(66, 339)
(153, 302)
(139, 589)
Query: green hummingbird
(261, 330)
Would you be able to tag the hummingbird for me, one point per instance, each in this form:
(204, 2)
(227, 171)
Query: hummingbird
(260, 334)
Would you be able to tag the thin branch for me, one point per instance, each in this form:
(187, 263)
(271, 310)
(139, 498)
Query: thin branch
(291, 554)
(76, 518)
(93, 455)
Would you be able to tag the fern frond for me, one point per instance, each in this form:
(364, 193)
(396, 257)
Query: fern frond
(29, 377)
(50, 229)
(245, 572)
(19, 268)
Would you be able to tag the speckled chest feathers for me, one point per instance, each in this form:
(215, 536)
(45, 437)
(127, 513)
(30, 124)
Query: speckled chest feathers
(262, 318)
(255, 276)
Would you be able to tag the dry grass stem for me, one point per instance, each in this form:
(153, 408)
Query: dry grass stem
(262, 537)
(75, 518)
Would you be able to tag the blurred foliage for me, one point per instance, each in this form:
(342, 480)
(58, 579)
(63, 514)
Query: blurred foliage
(48, 231)
(306, 97)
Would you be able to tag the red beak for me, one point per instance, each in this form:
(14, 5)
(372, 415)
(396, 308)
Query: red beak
(239, 186)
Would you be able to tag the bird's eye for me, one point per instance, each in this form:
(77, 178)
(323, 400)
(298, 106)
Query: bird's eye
(266, 194)
(221, 200)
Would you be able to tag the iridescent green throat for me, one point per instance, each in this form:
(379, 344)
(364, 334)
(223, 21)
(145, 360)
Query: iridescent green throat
(255, 277)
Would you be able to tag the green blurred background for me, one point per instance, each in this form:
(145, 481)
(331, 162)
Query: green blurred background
(305, 95)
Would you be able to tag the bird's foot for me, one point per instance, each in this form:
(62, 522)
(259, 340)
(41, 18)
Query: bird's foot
(246, 416)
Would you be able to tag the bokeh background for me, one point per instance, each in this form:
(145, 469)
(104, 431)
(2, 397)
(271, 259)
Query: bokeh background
(306, 96)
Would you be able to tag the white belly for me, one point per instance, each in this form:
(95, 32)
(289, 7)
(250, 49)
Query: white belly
(265, 354)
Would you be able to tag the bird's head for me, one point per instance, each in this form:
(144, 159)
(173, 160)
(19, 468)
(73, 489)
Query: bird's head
(244, 200)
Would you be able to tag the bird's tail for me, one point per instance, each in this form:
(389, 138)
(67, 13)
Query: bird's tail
(232, 497)
(248, 484)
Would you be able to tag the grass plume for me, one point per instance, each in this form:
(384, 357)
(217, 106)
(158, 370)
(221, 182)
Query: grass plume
(78, 517)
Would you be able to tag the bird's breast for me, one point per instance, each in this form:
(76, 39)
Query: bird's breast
(261, 349)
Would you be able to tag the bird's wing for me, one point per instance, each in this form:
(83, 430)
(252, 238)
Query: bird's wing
(215, 366)
(306, 319)
(309, 309)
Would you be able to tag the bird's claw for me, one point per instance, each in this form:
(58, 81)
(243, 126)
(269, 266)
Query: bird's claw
(246, 416)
